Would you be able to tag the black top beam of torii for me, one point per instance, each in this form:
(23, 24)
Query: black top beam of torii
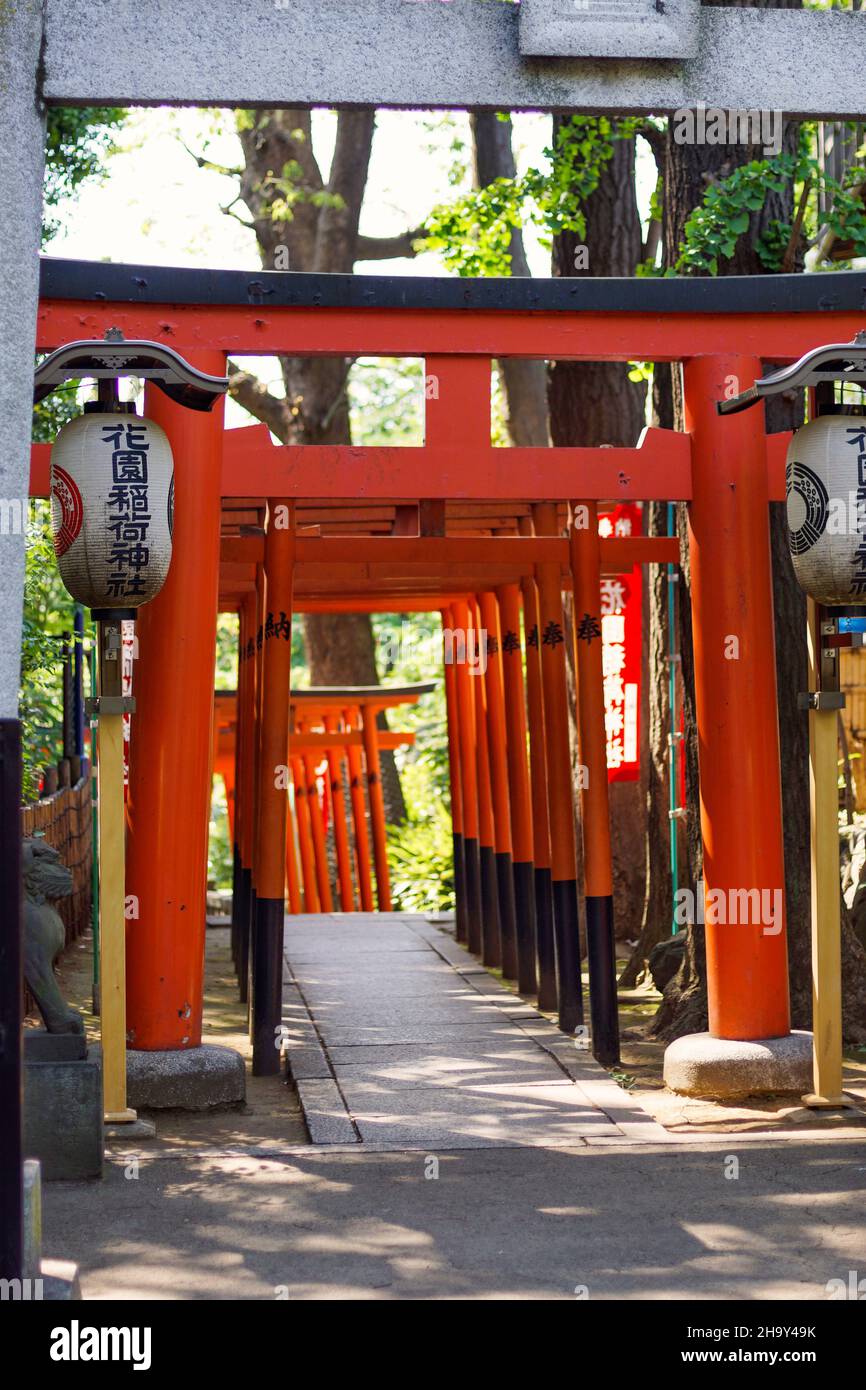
(842, 291)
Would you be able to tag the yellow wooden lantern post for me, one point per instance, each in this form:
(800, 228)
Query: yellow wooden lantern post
(824, 701)
(110, 709)
(824, 471)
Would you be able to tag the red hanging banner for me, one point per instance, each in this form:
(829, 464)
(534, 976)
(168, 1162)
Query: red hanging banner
(622, 636)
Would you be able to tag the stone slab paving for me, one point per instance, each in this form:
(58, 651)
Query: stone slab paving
(397, 1039)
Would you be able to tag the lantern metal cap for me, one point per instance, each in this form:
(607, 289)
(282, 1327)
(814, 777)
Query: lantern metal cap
(114, 356)
(836, 362)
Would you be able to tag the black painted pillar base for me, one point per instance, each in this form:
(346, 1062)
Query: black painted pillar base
(491, 941)
(545, 940)
(568, 954)
(461, 917)
(524, 909)
(236, 893)
(240, 919)
(11, 996)
(601, 953)
(507, 915)
(247, 918)
(472, 868)
(267, 985)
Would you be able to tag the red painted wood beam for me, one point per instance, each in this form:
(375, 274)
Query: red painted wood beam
(318, 331)
(252, 461)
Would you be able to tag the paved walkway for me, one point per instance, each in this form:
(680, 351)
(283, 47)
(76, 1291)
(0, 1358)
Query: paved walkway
(398, 1039)
(239, 1206)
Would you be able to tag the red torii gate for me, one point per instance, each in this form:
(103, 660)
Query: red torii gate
(723, 468)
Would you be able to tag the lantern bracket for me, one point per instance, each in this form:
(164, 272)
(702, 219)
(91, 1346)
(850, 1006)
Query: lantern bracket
(96, 705)
(835, 362)
(821, 700)
(114, 356)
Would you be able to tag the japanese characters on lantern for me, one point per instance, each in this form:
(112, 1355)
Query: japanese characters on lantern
(112, 493)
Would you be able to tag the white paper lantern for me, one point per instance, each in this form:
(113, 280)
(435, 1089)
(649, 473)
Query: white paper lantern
(112, 504)
(826, 500)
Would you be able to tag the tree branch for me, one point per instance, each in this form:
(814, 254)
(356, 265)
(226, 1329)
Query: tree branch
(796, 231)
(653, 241)
(337, 227)
(387, 248)
(204, 163)
(248, 391)
(656, 139)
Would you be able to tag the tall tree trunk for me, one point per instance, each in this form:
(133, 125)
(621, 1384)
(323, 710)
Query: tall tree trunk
(658, 890)
(304, 223)
(525, 381)
(687, 171)
(595, 403)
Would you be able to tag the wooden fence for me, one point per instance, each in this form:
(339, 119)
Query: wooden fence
(64, 819)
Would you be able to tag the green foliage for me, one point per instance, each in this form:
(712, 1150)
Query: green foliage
(280, 194)
(421, 861)
(226, 671)
(717, 223)
(726, 210)
(447, 132)
(219, 855)
(78, 142)
(48, 613)
(409, 650)
(287, 191)
(474, 232)
(386, 401)
(420, 850)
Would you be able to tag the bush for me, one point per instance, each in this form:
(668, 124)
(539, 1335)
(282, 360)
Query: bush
(421, 860)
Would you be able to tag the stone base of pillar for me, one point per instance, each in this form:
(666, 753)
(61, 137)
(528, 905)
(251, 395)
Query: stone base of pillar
(196, 1078)
(725, 1069)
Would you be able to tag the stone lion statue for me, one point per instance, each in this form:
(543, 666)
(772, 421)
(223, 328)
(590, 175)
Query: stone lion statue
(46, 878)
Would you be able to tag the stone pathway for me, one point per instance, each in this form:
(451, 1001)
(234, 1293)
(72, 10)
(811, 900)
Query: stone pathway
(397, 1039)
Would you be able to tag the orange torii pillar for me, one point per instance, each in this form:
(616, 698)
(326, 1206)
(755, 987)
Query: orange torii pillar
(736, 710)
(169, 785)
(258, 665)
(585, 552)
(359, 818)
(317, 827)
(491, 932)
(519, 787)
(237, 828)
(293, 882)
(458, 642)
(305, 837)
(499, 755)
(551, 638)
(453, 732)
(238, 816)
(544, 928)
(273, 792)
(338, 810)
(370, 734)
(246, 737)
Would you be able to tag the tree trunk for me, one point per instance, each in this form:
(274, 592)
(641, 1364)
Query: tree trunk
(687, 170)
(525, 381)
(658, 891)
(595, 403)
(303, 224)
